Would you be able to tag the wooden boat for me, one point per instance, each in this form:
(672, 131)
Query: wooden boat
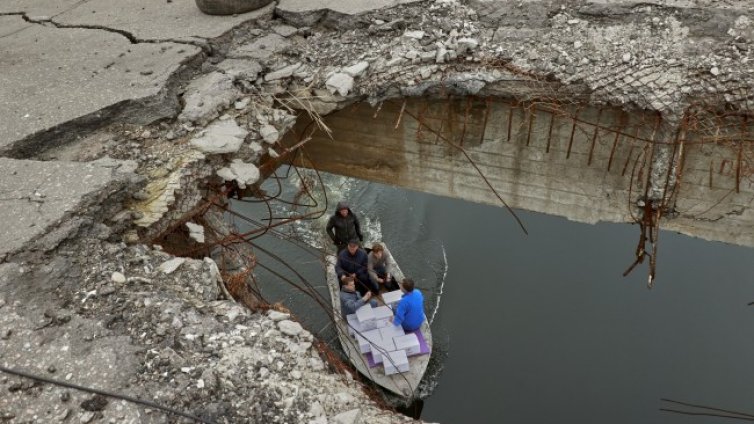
(405, 384)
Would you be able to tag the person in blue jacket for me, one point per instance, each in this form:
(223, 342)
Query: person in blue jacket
(352, 261)
(410, 310)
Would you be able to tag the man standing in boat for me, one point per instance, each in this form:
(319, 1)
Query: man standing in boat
(350, 300)
(410, 310)
(352, 261)
(343, 226)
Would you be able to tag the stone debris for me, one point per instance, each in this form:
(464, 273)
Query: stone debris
(118, 277)
(206, 96)
(281, 73)
(278, 316)
(196, 232)
(269, 134)
(245, 174)
(220, 137)
(171, 265)
(340, 83)
(243, 69)
(357, 69)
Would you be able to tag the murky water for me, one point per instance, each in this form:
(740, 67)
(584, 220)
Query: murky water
(543, 328)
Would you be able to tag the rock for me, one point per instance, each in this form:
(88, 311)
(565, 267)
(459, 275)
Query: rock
(86, 417)
(285, 30)
(349, 417)
(626, 57)
(243, 69)
(290, 328)
(467, 44)
(277, 316)
(269, 134)
(169, 266)
(714, 71)
(416, 35)
(344, 398)
(282, 73)
(340, 83)
(241, 104)
(117, 277)
(220, 137)
(206, 95)
(264, 47)
(357, 69)
(318, 420)
(196, 232)
(316, 410)
(243, 173)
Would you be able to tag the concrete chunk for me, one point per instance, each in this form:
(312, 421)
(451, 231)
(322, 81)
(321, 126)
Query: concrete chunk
(206, 96)
(220, 137)
(37, 196)
(340, 83)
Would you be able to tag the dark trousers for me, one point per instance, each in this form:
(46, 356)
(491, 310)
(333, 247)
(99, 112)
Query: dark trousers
(381, 273)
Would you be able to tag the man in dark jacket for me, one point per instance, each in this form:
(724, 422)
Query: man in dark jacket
(343, 226)
(352, 261)
(350, 301)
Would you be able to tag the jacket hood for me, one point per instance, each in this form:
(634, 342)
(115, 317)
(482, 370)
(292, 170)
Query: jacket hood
(342, 205)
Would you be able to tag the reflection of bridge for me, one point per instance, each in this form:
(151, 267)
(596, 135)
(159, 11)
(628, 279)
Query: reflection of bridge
(585, 163)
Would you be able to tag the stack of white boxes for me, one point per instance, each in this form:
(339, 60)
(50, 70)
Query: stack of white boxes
(409, 343)
(392, 298)
(376, 334)
(396, 362)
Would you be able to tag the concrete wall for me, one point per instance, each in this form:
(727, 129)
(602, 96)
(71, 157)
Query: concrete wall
(587, 164)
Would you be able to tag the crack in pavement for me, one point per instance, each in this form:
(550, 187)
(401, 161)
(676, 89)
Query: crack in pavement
(129, 36)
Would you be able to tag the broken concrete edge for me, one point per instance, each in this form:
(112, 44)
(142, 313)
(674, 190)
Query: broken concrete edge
(165, 104)
(88, 211)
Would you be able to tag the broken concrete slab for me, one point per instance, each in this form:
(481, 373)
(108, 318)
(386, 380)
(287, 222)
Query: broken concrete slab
(245, 69)
(263, 47)
(244, 174)
(36, 197)
(340, 83)
(44, 65)
(151, 20)
(220, 137)
(308, 12)
(206, 96)
(282, 73)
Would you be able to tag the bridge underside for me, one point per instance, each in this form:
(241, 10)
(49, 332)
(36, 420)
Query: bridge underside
(584, 163)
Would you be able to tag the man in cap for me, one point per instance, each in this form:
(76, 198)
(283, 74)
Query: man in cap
(343, 226)
(352, 261)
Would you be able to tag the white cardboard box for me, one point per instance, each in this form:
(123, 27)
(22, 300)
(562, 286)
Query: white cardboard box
(392, 298)
(381, 347)
(364, 345)
(396, 362)
(392, 331)
(353, 325)
(382, 316)
(365, 315)
(409, 343)
(367, 338)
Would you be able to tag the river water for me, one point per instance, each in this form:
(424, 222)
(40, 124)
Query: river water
(543, 328)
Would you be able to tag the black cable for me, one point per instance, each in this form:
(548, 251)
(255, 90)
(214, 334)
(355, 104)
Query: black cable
(146, 403)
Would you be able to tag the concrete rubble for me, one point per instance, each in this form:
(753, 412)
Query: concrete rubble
(106, 144)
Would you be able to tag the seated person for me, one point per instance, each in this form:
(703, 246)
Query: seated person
(410, 310)
(350, 301)
(353, 261)
(380, 268)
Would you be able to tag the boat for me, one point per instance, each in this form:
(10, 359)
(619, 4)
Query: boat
(403, 384)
